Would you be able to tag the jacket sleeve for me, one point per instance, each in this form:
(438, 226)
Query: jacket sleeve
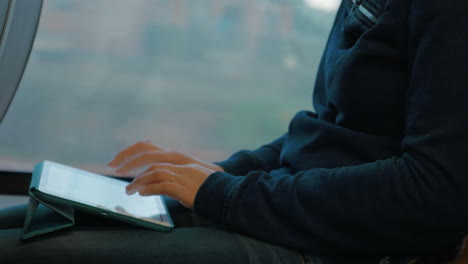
(408, 204)
(265, 158)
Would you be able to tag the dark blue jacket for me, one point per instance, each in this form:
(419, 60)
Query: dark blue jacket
(382, 166)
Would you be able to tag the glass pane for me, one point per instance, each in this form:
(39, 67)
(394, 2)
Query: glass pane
(209, 77)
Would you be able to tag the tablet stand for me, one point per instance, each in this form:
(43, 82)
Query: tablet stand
(45, 217)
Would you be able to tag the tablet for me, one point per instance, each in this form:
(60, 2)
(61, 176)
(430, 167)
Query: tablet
(98, 194)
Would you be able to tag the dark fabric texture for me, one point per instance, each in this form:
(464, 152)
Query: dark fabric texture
(96, 239)
(380, 168)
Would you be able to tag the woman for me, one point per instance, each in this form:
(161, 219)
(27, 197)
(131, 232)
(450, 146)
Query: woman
(379, 170)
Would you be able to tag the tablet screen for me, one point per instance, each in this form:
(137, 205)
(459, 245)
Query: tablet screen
(101, 192)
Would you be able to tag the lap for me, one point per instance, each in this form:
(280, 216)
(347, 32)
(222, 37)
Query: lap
(124, 245)
(195, 240)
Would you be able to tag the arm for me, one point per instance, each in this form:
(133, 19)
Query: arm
(265, 158)
(180, 175)
(414, 201)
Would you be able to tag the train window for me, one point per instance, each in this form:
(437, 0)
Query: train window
(208, 77)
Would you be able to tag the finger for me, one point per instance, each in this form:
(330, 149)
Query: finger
(134, 149)
(187, 172)
(147, 178)
(160, 166)
(170, 189)
(145, 159)
(152, 177)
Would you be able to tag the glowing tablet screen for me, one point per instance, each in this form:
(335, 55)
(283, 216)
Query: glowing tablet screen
(101, 192)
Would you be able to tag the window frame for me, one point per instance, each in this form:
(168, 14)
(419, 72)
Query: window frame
(16, 41)
(18, 25)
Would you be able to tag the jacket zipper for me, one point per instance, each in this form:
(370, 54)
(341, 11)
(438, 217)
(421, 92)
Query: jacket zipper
(358, 4)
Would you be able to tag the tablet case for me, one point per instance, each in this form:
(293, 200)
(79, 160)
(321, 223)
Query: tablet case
(43, 216)
(46, 215)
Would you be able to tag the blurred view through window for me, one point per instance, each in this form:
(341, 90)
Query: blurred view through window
(205, 76)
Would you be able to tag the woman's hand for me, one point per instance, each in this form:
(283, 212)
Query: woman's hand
(170, 173)
(142, 154)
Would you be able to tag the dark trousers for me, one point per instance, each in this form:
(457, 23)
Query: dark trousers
(95, 239)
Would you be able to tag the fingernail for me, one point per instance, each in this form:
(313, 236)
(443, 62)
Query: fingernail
(129, 190)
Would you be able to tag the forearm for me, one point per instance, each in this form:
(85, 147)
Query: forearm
(265, 158)
(400, 205)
